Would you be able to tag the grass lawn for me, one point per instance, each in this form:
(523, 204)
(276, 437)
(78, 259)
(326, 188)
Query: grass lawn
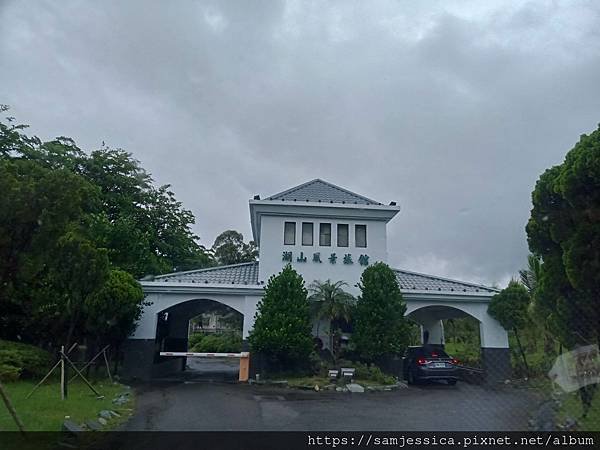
(571, 404)
(45, 411)
(308, 381)
(572, 407)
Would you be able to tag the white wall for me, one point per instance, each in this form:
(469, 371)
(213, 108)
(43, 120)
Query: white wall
(492, 334)
(272, 248)
(146, 329)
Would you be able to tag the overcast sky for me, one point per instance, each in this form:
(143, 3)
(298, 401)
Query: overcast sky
(452, 110)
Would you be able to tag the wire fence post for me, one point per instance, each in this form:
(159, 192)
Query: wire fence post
(11, 409)
(107, 365)
(63, 375)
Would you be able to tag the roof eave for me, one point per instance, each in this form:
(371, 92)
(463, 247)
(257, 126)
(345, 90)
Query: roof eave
(207, 288)
(278, 207)
(452, 296)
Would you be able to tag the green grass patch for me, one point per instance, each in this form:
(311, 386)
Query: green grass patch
(468, 354)
(45, 411)
(572, 407)
(308, 381)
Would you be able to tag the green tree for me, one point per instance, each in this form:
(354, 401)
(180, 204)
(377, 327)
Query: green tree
(564, 231)
(379, 325)
(145, 229)
(539, 316)
(330, 302)
(510, 308)
(80, 270)
(113, 310)
(282, 326)
(530, 275)
(67, 218)
(38, 207)
(230, 248)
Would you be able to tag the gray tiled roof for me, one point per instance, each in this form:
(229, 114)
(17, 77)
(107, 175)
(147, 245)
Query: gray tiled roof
(412, 281)
(321, 191)
(245, 273)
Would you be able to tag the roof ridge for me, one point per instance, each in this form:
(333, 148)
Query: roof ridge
(450, 280)
(327, 183)
(204, 269)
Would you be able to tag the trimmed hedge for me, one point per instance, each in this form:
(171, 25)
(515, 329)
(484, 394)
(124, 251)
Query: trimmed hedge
(18, 360)
(218, 343)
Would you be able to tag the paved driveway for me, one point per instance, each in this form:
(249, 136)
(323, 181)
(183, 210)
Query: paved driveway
(201, 405)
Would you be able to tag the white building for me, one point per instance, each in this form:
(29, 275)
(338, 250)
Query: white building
(325, 232)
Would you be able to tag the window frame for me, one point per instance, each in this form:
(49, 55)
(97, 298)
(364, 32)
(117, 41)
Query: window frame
(312, 234)
(356, 227)
(323, 225)
(285, 225)
(339, 225)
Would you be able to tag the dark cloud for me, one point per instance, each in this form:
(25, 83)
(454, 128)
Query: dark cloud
(453, 110)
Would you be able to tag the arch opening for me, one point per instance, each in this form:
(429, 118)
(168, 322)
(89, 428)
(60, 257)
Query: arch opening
(199, 325)
(455, 330)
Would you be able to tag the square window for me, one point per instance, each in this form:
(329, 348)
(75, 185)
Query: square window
(360, 235)
(307, 233)
(289, 233)
(325, 234)
(342, 235)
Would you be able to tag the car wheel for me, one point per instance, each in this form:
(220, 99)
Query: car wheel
(451, 382)
(411, 377)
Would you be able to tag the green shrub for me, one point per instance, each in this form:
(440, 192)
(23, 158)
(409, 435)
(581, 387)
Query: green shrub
(318, 366)
(9, 373)
(19, 360)
(282, 325)
(368, 372)
(219, 343)
(371, 372)
(195, 339)
(380, 327)
(467, 353)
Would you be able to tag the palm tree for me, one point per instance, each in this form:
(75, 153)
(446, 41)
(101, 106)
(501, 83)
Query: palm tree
(530, 278)
(330, 302)
(531, 275)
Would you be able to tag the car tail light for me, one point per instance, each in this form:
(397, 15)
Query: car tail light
(455, 361)
(422, 361)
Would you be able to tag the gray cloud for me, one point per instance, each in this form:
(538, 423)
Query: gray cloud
(451, 109)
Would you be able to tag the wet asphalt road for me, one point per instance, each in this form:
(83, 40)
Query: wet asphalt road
(197, 402)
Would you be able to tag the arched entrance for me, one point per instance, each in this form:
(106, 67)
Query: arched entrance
(206, 324)
(164, 324)
(493, 339)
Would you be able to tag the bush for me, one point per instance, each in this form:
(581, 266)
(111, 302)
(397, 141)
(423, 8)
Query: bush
(380, 327)
(9, 373)
(19, 360)
(282, 326)
(467, 353)
(219, 343)
(368, 372)
(195, 339)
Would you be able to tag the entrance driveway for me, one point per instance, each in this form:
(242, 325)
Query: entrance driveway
(202, 405)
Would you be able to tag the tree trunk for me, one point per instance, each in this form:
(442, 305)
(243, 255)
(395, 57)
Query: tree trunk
(331, 340)
(521, 351)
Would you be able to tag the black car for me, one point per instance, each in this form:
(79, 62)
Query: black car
(429, 363)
